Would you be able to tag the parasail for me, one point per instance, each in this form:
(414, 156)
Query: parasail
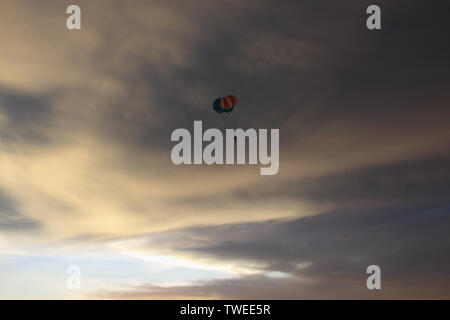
(225, 104)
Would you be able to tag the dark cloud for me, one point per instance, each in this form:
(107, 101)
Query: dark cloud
(262, 287)
(10, 217)
(325, 256)
(311, 69)
(26, 116)
(362, 235)
(408, 183)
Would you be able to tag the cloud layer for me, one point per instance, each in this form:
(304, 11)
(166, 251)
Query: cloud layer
(86, 118)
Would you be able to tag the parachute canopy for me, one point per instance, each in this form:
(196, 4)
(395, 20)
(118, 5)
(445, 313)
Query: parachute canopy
(225, 104)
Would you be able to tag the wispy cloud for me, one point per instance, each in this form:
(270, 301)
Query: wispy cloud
(85, 123)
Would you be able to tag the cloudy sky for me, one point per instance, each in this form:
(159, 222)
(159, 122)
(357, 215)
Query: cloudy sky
(86, 177)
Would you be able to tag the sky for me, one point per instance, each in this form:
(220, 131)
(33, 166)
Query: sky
(86, 177)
